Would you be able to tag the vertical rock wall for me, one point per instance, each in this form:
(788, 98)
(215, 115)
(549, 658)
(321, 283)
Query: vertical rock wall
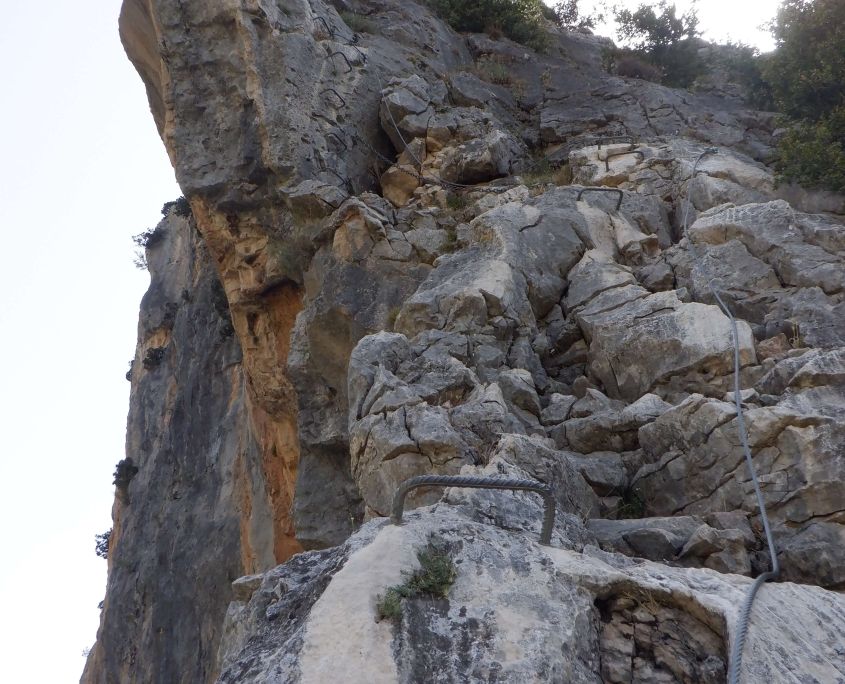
(201, 509)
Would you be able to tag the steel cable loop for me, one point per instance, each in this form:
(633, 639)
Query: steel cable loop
(474, 482)
(434, 179)
(735, 664)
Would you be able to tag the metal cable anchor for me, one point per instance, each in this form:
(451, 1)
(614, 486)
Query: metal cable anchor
(479, 483)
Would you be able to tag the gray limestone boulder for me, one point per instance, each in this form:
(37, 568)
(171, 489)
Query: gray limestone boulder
(523, 611)
(482, 159)
(697, 466)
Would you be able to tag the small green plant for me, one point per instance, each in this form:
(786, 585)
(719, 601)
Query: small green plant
(434, 578)
(102, 544)
(632, 506)
(179, 206)
(456, 202)
(153, 357)
(450, 244)
(124, 471)
(358, 22)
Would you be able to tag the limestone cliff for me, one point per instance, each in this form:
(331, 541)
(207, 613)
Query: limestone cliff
(410, 252)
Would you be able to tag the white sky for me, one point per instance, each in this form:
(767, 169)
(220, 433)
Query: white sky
(82, 171)
(720, 20)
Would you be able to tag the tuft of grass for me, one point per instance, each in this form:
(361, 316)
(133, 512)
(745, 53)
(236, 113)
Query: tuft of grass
(543, 171)
(450, 244)
(456, 202)
(434, 578)
(392, 315)
(493, 72)
(358, 22)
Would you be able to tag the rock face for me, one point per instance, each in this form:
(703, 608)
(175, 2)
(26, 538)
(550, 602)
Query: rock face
(517, 612)
(199, 480)
(395, 266)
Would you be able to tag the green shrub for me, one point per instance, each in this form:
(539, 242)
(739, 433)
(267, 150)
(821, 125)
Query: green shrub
(566, 14)
(456, 201)
(180, 206)
(812, 153)
(450, 244)
(147, 240)
(434, 578)
(806, 75)
(806, 70)
(153, 357)
(630, 65)
(520, 20)
(632, 506)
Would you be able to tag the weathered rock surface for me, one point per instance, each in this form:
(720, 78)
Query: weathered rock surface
(201, 503)
(403, 290)
(518, 612)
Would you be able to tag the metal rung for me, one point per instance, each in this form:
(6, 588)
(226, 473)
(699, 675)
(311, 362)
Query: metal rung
(608, 157)
(479, 483)
(618, 203)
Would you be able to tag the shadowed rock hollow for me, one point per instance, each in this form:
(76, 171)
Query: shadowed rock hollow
(394, 266)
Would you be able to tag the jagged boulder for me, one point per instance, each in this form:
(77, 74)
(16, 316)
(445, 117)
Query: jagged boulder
(697, 466)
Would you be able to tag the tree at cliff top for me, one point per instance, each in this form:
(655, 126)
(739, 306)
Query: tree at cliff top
(658, 34)
(806, 74)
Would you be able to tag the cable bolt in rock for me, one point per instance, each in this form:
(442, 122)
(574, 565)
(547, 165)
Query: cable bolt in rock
(479, 483)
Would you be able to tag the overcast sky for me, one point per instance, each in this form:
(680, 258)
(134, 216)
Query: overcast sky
(82, 171)
(720, 20)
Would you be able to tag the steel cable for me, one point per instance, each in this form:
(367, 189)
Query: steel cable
(735, 663)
